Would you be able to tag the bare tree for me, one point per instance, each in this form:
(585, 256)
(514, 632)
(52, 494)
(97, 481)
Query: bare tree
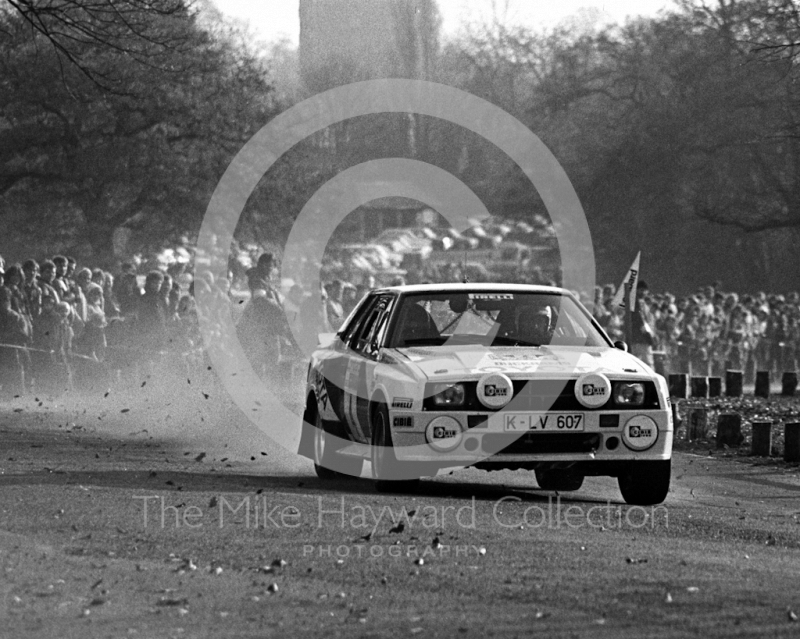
(141, 30)
(79, 160)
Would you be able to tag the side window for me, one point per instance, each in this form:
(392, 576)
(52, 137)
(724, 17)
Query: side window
(359, 341)
(354, 328)
(366, 340)
(377, 332)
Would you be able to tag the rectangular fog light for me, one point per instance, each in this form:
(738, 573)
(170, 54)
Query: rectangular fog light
(477, 421)
(609, 421)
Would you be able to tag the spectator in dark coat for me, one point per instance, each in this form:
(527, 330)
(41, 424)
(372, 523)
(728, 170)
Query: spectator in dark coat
(47, 277)
(642, 327)
(31, 288)
(15, 331)
(151, 315)
(59, 281)
(14, 306)
(50, 370)
(128, 294)
(261, 326)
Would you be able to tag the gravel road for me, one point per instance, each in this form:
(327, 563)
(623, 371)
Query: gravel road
(155, 514)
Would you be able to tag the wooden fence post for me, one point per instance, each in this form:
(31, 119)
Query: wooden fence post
(734, 381)
(791, 446)
(678, 386)
(729, 430)
(762, 384)
(761, 445)
(698, 423)
(788, 384)
(700, 387)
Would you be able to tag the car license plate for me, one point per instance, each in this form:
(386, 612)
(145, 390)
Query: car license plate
(552, 422)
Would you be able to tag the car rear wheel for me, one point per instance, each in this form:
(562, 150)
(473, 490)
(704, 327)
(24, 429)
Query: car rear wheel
(328, 463)
(560, 479)
(390, 475)
(645, 483)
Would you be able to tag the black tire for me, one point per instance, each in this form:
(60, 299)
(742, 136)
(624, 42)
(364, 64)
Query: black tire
(560, 479)
(328, 463)
(645, 483)
(390, 475)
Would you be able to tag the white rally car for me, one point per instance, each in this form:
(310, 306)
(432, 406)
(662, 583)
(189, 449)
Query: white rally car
(493, 376)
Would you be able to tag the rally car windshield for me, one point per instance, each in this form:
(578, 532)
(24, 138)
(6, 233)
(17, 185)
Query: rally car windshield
(491, 318)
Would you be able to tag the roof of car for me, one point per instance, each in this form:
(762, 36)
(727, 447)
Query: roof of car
(474, 286)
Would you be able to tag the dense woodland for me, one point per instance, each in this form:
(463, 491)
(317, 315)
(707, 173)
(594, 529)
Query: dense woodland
(680, 133)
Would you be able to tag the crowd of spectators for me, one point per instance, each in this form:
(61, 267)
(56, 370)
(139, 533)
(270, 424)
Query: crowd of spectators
(712, 330)
(62, 325)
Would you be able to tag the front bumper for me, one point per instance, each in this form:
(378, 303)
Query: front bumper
(483, 438)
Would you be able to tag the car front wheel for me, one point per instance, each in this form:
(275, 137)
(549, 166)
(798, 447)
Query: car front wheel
(328, 462)
(645, 483)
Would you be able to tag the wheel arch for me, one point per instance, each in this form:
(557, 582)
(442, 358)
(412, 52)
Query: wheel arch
(378, 398)
(306, 446)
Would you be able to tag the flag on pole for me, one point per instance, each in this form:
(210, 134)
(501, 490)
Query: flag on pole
(630, 282)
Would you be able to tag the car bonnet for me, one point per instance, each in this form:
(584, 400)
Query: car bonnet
(470, 362)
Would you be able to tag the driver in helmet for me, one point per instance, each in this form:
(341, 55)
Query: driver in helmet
(536, 325)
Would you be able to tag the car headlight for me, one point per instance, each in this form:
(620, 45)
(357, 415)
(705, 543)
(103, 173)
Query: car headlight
(628, 394)
(448, 394)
